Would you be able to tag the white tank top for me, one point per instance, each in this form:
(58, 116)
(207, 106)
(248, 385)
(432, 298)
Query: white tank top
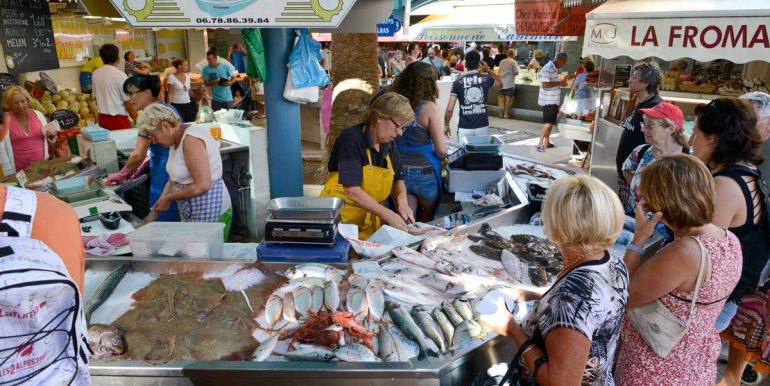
(177, 168)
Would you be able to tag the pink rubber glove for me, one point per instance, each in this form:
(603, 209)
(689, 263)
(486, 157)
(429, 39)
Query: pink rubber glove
(142, 167)
(118, 178)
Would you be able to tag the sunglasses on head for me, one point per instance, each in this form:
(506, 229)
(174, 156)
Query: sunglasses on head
(713, 105)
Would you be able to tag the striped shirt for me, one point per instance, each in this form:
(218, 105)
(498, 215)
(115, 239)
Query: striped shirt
(549, 95)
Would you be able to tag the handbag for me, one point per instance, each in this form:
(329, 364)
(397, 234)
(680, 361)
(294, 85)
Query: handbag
(657, 325)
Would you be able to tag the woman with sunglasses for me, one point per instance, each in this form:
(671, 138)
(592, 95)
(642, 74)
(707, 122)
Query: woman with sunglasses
(365, 169)
(178, 91)
(143, 91)
(663, 129)
(727, 140)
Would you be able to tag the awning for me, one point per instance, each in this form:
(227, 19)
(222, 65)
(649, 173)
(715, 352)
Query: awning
(704, 30)
(473, 21)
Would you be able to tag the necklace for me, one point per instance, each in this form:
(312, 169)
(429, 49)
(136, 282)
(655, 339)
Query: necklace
(572, 264)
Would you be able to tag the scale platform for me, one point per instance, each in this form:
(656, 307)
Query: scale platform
(307, 253)
(301, 231)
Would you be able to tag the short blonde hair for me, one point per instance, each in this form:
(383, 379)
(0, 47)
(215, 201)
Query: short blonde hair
(151, 117)
(682, 188)
(679, 135)
(583, 213)
(9, 93)
(389, 105)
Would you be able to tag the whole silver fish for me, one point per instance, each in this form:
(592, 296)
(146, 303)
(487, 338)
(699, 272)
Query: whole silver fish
(317, 298)
(331, 296)
(409, 327)
(375, 298)
(322, 271)
(417, 258)
(356, 303)
(387, 346)
(466, 331)
(265, 349)
(303, 301)
(105, 289)
(429, 327)
(288, 310)
(310, 354)
(452, 314)
(358, 281)
(463, 307)
(355, 352)
(273, 309)
(446, 326)
(406, 347)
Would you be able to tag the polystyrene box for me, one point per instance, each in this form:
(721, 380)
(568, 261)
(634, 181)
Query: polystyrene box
(195, 240)
(459, 180)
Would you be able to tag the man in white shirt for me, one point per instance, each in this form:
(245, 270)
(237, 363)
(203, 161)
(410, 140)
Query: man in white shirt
(550, 97)
(114, 105)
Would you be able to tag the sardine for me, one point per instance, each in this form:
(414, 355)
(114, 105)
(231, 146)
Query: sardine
(310, 354)
(323, 271)
(463, 307)
(105, 289)
(444, 324)
(408, 326)
(317, 298)
(331, 296)
(355, 352)
(288, 308)
(303, 301)
(265, 348)
(105, 341)
(375, 298)
(273, 309)
(429, 328)
(466, 331)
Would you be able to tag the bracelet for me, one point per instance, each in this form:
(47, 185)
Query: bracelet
(538, 363)
(531, 347)
(634, 248)
(446, 125)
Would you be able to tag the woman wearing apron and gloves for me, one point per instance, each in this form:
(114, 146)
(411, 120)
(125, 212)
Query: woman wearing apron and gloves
(145, 90)
(364, 168)
(194, 168)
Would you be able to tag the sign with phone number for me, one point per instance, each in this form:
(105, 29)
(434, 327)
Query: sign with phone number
(233, 13)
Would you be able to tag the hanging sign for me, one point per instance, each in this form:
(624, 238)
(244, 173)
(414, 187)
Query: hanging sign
(389, 27)
(549, 17)
(233, 13)
(67, 119)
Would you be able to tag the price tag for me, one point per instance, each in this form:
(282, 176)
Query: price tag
(21, 177)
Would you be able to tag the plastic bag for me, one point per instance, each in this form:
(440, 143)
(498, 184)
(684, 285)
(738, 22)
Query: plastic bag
(304, 65)
(204, 115)
(299, 95)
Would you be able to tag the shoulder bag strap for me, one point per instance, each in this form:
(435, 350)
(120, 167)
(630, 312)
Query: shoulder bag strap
(698, 280)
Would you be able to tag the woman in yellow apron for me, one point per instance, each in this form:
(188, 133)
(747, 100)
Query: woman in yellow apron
(364, 167)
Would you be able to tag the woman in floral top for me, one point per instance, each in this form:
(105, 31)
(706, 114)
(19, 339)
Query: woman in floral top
(663, 131)
(574, 328)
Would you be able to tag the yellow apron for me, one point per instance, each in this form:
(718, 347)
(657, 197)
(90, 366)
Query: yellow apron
(376, 182)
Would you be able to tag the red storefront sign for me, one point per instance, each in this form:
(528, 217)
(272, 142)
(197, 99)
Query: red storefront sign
(550, 17)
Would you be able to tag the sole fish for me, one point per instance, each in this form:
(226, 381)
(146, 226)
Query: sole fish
(105, 289)
(409, 327)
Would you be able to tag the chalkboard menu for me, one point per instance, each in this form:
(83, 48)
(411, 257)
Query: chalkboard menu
(6, 81)
(67, 119)
(27, 36)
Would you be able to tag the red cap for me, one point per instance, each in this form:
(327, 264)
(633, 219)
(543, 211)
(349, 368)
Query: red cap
(667, 110)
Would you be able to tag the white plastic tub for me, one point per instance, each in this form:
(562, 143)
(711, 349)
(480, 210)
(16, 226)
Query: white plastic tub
(195, 240)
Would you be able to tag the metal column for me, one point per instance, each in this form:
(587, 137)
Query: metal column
(284, 143)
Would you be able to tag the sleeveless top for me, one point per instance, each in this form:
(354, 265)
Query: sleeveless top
(414, 135)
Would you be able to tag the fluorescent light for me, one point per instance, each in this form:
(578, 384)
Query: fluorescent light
(92, 17)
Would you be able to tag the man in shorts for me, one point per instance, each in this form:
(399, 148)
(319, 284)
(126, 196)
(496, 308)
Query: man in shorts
(550, 97)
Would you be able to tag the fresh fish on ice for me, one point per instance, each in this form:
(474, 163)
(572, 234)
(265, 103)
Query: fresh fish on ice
(375, 298)
(452, 314)
(409, 327)
(322, 271)
(429, 328)
(105, 289)
(265, 349)
(355, 352)
(331, 296)
(443, 322)
(466, 331)
(317, 297)
(303, 301)
(310, 354)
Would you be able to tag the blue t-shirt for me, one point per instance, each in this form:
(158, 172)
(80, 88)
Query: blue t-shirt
(471, 91)
(219, 93)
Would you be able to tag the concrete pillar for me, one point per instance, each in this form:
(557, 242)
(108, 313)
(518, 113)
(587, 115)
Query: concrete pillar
(284, 144)
(355, 77)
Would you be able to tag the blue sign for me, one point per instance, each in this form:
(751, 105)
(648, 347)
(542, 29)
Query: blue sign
(389, 27)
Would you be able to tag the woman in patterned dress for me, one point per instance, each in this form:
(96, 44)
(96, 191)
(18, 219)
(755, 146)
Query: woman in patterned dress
(575, 327)
(680, 191)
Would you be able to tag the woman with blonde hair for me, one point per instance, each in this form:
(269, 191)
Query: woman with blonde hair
(663, 129)
(680, 191)
(194, 168)
(22, 140)
(365, 168)
(571, 335)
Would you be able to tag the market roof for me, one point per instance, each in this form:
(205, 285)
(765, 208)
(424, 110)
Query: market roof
(704, 30)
